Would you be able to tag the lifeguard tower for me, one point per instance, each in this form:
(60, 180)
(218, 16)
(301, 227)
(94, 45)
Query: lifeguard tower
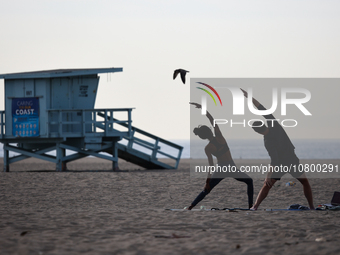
(49, 112)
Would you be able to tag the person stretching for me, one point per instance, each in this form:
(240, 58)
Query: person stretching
(281, 152)
(218, 147)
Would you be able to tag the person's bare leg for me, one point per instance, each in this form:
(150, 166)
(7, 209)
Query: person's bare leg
(262, 195)
(307, 190)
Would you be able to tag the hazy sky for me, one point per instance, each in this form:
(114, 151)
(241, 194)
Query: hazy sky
(150, 39)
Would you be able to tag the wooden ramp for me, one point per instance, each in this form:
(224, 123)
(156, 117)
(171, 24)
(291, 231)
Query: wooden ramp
(145, 149)
(142, 159)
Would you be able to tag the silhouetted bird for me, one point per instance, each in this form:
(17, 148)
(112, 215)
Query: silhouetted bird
(182, 72)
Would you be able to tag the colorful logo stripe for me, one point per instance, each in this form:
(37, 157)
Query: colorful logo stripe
(210, 93)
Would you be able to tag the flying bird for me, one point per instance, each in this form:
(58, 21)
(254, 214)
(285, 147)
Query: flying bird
(182, 72)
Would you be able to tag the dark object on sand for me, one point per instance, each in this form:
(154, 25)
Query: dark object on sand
(23, 233)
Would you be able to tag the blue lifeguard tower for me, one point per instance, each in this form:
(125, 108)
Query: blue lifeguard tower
(53, 111)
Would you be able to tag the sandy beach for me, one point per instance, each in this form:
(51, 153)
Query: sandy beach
(93, 210)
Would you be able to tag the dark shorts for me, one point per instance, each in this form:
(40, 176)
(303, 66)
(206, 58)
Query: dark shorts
(287, 169)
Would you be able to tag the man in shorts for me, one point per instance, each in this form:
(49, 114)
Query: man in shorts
(281, 152)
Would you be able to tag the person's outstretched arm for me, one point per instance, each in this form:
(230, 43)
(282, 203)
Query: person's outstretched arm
(255, 102)
(259, 106)
(211, 119)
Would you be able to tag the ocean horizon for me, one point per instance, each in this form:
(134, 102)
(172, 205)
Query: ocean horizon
(251, 149)
(254, 149)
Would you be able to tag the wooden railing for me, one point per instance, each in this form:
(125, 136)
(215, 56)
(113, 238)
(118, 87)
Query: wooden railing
(154, 145)
(85, 122)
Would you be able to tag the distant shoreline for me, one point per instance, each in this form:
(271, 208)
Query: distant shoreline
(91, 163)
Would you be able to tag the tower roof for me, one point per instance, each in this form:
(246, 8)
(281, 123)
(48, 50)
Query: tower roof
(59, 73)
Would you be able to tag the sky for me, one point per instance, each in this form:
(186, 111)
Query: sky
(150, 39)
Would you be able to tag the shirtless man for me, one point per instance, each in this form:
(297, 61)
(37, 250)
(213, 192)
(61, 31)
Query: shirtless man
(281, 152)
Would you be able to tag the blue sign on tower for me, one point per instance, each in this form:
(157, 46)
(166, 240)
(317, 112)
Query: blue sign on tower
(25, 115)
